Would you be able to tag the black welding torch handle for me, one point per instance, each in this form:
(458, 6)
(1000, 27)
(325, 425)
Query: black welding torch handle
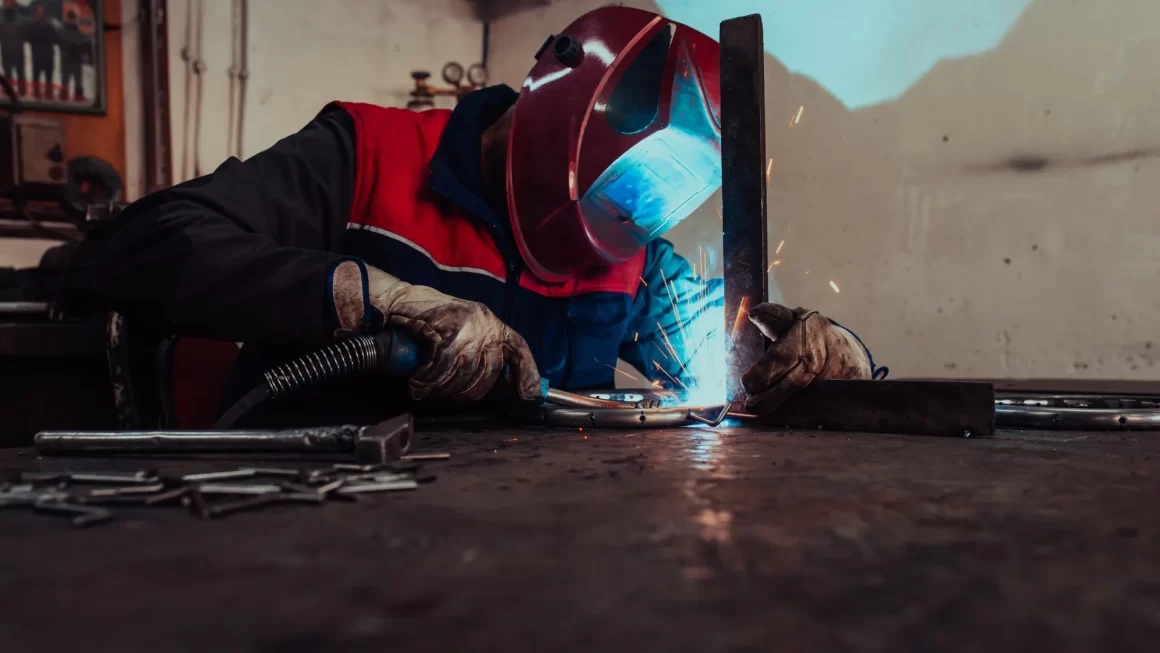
(390, 353)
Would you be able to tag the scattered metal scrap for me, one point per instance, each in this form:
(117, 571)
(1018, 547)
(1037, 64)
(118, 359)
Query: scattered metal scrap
(206, 495)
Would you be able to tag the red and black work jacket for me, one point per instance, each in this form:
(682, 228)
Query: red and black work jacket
(245, 253)
(418, 213)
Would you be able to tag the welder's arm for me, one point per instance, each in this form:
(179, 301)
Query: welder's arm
(241, 254)
(678, 320)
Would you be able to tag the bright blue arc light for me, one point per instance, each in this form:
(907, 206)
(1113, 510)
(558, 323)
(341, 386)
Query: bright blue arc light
(864, 52)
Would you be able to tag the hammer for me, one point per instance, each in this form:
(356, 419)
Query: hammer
(375, 444)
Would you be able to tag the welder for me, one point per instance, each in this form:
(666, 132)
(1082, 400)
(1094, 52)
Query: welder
(514, 238)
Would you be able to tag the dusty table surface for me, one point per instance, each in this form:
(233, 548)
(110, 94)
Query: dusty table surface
(680, 540)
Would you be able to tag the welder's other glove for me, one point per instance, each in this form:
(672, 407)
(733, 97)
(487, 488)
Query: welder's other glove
(806, 347)
(467, 346)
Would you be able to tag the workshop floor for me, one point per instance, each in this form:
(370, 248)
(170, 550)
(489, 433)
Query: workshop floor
(691, 540)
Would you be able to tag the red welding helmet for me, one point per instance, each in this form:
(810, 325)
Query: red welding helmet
(616, 137)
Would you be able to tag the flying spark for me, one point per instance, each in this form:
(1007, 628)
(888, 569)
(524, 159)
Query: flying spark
(798, 117)
(779, 246)
(807, 271)
(675, 379)
(644, 282)
(636, 336)
(673, 303)
(742, 311)
(673, 350)
(719, 216)
(768, 169)
(834, 286)
(773, 265)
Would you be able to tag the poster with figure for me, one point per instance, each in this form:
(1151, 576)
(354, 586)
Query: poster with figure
(53, 54)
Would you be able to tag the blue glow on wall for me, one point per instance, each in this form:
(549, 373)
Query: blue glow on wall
(864, 52)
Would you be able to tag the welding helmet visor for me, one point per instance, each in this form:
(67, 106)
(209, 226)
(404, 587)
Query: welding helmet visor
(635, 149)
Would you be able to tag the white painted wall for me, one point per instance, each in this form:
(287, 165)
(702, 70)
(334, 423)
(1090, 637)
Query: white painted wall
(132, 76)
(303, 54)
(949, 262)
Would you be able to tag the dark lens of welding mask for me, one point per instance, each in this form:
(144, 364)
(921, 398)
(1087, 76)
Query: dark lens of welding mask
(668, 174)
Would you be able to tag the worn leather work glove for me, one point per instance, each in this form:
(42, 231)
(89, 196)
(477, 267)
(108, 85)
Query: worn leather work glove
(806, 347)
(467, 346)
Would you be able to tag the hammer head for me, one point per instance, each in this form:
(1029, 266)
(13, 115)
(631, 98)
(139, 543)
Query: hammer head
(385, 441)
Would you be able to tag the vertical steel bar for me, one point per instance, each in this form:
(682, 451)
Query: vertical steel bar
(743, 190)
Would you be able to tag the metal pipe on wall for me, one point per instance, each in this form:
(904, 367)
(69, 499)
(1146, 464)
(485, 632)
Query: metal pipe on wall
(243, 73)
(486, 41)
(239, 73)
(155, 93)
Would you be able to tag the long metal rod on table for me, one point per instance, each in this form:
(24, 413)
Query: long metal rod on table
(374, 444)
(743, 200)
(319, 440)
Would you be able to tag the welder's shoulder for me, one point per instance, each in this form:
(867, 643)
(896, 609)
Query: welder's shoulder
(365, 116)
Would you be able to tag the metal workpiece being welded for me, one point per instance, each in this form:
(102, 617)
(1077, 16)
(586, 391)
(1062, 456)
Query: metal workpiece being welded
(743, 191)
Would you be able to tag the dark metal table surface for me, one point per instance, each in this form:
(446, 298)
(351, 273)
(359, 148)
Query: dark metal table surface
(681, 540)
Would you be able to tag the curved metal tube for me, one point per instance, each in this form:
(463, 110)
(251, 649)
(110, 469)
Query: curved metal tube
(1085, 401)
(570, 399)
(619, 418)
(634, 418)
(1077, 419)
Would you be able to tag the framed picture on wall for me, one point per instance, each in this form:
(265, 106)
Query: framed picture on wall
(53, 53)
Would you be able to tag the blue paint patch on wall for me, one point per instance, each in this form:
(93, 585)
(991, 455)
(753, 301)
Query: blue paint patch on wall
(864, 52)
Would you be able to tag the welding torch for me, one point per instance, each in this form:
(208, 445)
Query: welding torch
(390, 353)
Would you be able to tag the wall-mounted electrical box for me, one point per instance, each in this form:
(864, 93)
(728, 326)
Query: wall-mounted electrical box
(32, 157)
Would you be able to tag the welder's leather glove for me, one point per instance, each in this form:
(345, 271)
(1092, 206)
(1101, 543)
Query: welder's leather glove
(806, 347)
(467, 346)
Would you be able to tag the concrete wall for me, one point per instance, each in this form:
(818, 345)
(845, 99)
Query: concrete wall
(303, 54)
(999, 218)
